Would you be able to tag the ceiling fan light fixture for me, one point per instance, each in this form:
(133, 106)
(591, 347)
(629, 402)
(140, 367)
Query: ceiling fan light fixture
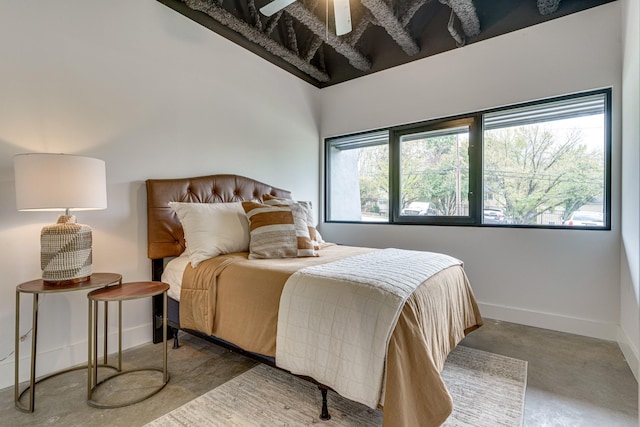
(342, 13)
(274, 7)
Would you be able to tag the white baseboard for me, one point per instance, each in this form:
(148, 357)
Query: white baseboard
(68, 356)
(556, 322)
(572, 325)
(629, 351)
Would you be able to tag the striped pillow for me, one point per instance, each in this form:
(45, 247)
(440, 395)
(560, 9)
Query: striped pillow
(277, 231)
(308, 214)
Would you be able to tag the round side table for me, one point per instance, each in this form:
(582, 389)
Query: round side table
(37, 287)
(123, 292)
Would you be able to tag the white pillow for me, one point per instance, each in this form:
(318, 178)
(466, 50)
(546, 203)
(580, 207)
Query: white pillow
(212, 229)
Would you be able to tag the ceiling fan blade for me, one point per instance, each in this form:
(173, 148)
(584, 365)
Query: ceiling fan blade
(275, 6)
(342, 12)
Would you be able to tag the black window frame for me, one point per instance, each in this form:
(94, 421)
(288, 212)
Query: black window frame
(475, 159)
(476, 167)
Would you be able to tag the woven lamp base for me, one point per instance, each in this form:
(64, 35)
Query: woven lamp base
(66, 282)
(65, 252)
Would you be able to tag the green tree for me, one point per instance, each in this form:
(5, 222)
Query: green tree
(373, 166)
(529, 169)
(435, 169)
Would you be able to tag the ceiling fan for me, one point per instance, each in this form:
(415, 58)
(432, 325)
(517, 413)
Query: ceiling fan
(341, 11)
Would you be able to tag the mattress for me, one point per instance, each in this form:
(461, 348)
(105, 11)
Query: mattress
(172, 275)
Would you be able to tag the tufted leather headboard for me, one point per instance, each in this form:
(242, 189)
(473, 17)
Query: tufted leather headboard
(165, 236)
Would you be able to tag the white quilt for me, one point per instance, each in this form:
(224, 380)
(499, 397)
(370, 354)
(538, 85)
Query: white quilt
(335, 320)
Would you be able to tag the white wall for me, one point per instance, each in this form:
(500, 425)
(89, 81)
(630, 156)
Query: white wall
(154, 95)
(566, 280)
(629, 335)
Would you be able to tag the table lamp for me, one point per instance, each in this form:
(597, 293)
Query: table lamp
(62, 182)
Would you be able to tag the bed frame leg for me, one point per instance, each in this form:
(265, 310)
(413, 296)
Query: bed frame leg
(324, 414)
(176, 343)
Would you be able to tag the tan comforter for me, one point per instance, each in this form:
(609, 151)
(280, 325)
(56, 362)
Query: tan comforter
(237, 300)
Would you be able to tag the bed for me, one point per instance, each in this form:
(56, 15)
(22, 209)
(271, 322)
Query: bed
(238, 302)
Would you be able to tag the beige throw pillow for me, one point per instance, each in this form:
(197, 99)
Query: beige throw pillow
(278, 231)
(308, 214)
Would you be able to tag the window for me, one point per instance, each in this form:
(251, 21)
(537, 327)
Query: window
(433, 172)
(541, 164)
(358, 177)
(544, 162)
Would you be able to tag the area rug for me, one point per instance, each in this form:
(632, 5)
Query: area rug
(487, 390)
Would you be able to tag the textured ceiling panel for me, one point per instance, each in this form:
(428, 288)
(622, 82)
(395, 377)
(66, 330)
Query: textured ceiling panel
(301, 38)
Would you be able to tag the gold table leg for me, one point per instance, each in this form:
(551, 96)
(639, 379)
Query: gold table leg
(95, 343)
(164, 339)
(34, 340)
(16, 351)
(119, 336)
(89, 359)
(106, 322)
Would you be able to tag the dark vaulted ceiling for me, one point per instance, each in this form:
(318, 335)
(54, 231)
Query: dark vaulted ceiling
(301, 38)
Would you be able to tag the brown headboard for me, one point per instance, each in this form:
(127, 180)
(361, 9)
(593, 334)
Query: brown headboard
(165, 236)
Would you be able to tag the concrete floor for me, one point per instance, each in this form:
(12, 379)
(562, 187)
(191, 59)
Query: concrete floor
(572, 381)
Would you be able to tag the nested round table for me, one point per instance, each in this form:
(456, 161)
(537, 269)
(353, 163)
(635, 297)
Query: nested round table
(123, 292)
(37, 287)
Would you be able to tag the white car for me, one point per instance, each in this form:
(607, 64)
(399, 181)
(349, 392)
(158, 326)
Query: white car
(585, 219)
(419, 209)
(494, 216)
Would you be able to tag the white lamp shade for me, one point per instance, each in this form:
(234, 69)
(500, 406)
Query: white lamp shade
(52, 182)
